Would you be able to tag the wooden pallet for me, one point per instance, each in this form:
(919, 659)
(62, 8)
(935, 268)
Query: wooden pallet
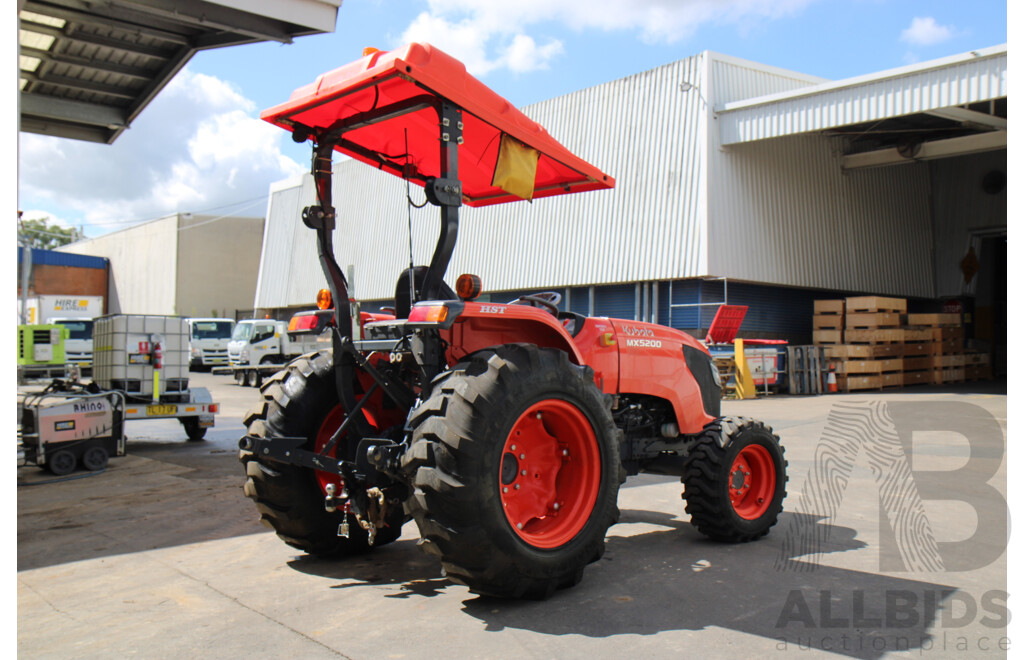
(872, 320)
(828, 322)
(918, 377)
(876, 304)
(934, 319)
(921, 349)
(954, 375)
(948, 362)
(833, 307)
(869, 382)
(863, 351)
(978, 372)
(805, 365)
(918, 363)
(828, 337)
(878, 336)
(876, 367)
(918, 335)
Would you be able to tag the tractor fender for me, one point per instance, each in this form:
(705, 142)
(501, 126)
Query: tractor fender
(480, 326)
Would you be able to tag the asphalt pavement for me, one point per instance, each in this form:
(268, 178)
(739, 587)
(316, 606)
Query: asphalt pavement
(893, 541)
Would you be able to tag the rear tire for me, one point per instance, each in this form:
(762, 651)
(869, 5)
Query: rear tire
(194, 432)
(301, 401)
(61, 462)
(515, 465)
(734, 493)
(95, 458)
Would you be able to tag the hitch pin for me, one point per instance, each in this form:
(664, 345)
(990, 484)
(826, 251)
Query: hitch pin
(343, 527)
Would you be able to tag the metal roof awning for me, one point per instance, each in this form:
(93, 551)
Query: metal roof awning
(88, 68)
(946, 107)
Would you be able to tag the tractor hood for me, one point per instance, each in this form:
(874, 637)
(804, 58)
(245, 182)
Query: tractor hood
(398, 78)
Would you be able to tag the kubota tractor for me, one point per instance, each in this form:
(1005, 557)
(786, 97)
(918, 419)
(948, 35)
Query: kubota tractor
(503, 430)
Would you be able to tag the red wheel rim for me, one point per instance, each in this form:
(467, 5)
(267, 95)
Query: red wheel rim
(323, 436)
(550, 473)
(752, 482)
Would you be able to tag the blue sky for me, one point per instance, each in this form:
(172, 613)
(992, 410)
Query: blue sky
(200, 147)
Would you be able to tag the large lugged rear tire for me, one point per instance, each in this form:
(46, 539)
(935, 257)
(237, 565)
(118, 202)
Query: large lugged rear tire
(734, 493)
(516, 471)
(301, 401)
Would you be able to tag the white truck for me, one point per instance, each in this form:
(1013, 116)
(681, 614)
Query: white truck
(78, 345)
(260, 347)
(208, 342)
(76, 313)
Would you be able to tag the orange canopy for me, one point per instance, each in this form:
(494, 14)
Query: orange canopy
(381, 79)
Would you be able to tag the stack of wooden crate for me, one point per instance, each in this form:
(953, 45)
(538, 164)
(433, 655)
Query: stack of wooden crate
(872, 343)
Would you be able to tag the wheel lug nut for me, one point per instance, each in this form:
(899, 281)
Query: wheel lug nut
(556, 506)
(523, 472)
(522, 457)
(538, 416)
(513, 447)
(517, 486)
(505, 489)
(519, 525)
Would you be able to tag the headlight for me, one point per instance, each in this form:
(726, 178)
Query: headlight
(196, 352)
(244, 355)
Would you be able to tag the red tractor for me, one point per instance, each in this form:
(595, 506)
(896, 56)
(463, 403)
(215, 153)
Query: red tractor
(503, 430)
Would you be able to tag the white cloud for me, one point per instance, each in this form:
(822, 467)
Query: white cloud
(487, 35)
(924, 31)
(196, 146)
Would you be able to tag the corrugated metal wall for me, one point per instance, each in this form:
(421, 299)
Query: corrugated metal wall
(781, 211)
(142, 266)
(960, 205)
(641, 130)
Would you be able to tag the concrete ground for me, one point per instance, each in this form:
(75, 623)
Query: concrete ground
(161, 556)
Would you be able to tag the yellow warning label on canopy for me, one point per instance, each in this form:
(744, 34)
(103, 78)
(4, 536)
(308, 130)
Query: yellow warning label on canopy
(516, 169)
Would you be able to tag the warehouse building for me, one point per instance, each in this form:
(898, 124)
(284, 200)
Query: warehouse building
(735, 182)
(183, 264)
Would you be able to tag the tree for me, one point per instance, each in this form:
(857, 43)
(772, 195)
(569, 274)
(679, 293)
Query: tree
(39, 233)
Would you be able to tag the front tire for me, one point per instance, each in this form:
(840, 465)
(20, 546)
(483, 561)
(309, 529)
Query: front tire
(301, 401)
(515, 465)
(734, 492)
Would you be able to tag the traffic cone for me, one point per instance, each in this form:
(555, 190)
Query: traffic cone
(833, 386)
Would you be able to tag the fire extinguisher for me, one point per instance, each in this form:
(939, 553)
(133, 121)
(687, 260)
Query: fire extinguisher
(158, 356)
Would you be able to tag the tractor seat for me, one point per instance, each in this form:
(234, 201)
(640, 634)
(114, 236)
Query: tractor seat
(403, 303)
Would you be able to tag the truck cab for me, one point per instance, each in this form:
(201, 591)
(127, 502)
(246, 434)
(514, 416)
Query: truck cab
(78, 346)
(258, 341)
(208, 342)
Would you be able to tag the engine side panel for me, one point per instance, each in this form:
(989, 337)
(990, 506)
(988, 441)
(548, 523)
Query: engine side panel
(652, 362)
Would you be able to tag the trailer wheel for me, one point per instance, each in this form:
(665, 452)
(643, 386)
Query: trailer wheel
(515, 464)
(240, 377)
(301, 401)
(95, 458)
(734, 492)
(194, 432)
(61, 462)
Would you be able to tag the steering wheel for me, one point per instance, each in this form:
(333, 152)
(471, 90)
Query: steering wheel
(547, 299)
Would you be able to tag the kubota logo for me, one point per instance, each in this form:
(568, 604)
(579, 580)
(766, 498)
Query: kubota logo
(635, 331)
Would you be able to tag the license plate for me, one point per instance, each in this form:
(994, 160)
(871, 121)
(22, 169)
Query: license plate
(161, 409)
